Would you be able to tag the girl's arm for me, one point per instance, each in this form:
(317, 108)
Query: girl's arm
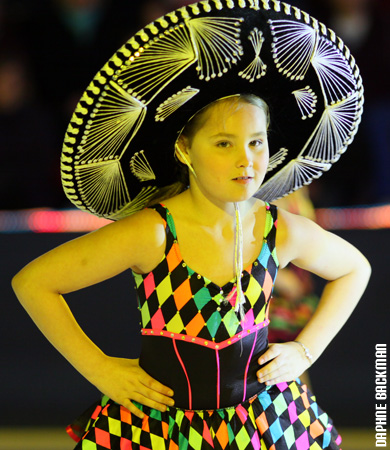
(308, 246)
(136, 242)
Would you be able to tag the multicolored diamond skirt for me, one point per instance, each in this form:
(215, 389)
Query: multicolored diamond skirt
(283, 416)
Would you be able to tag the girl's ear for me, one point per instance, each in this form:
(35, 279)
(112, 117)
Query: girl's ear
(181, 152)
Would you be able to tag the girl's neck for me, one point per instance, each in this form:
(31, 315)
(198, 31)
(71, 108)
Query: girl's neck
(208, 213)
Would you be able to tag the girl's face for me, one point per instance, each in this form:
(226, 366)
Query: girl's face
(229, 153)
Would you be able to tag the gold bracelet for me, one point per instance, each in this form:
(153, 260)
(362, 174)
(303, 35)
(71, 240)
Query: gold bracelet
(308, 355)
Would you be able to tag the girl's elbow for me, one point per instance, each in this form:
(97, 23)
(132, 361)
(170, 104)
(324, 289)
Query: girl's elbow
(364, 268)
(368, 267)
(18, 281)
(22, 282)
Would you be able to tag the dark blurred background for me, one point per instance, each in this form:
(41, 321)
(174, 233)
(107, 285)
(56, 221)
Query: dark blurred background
(49, 51)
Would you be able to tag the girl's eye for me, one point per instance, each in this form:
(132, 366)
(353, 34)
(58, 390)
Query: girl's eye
(256, 143)
(223, 144)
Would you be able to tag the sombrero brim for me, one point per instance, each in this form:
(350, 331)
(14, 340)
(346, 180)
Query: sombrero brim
(119, 146)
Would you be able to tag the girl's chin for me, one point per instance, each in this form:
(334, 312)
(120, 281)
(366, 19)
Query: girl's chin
(240, 193)
(247, 191)
(243, 197)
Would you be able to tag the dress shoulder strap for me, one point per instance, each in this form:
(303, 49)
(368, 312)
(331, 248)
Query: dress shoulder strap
(169, 225)
(271, 223)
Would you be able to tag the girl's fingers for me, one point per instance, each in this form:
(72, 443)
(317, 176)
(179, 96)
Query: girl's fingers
(157, 397)
(280, 379)
(272, 352)
(134, 384)
(271, 371)
(276, 378)
(147, 401)
(133, 409)
(156, 386)
(286, 364)
(151, 397)
(154, 390)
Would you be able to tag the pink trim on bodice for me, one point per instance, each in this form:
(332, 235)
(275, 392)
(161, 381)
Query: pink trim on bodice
(205, 342)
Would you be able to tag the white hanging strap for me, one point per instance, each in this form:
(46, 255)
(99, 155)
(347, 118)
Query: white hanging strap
(238, 263)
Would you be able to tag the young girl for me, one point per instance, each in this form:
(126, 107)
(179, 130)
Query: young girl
(204, 262)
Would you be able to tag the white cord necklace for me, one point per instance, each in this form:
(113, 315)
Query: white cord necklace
(238, 264)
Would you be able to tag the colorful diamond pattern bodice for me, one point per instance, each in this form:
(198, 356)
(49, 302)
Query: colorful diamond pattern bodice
(174, 298)
(176, 302)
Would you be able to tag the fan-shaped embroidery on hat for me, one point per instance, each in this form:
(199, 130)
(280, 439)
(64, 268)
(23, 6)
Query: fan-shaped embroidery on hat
(306, 100)
(73, 129)
(277, 159)
(334, 72)
(140, 167)
(256, 68)
(160, 61)
(117, 116)
(102, 186)
(293, 47)
(254, 4)
(294, 175)
(216, 40)
(81, 110)
(76, 120)
(195, 41)
(71, 140)
(139, 202)
(67, 180)
(333, 131)
(174, 102)
(68, 184)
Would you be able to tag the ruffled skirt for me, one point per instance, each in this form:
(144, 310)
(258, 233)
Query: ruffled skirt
(282, 417)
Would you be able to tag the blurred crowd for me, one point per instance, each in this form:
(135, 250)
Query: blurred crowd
(50, 50)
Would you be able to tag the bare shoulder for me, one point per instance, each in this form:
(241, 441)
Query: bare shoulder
(147, 222)
(298, 236)
(141, 235)
(291, 233)
(136, 242)
(304, 243)
(294, 225)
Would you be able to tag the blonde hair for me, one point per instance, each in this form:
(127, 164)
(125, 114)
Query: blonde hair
(189, 132)
(236, 101)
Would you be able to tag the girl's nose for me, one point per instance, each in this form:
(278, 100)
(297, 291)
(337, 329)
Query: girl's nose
(244, 159)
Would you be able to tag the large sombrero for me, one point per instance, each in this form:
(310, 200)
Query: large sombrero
(119, 146)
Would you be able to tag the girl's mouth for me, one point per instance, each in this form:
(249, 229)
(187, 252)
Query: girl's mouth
(243, 180)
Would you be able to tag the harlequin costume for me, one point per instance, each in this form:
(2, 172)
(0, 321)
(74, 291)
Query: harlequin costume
(193, 340)
(119, 151)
